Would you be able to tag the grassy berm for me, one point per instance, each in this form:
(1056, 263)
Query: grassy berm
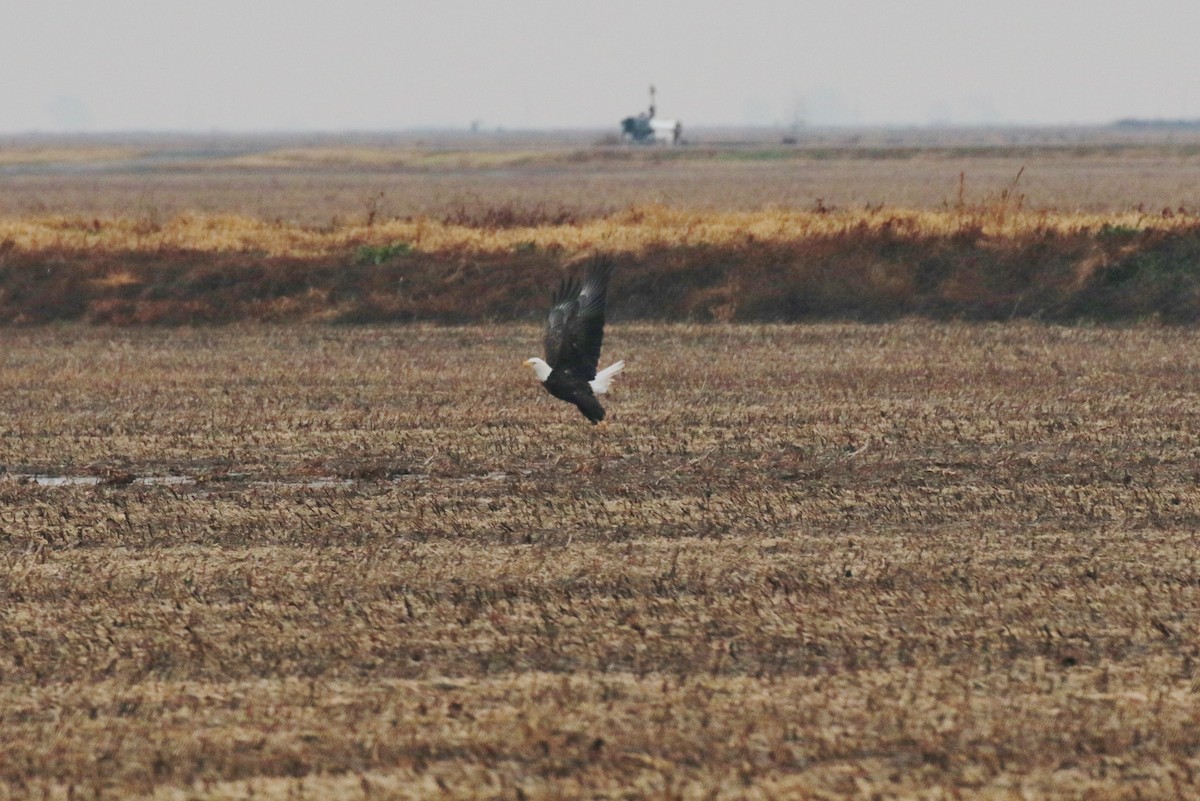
(994, 261)
(908, 560)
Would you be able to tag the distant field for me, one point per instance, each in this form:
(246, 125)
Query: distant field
(332, 180)
(815, 561)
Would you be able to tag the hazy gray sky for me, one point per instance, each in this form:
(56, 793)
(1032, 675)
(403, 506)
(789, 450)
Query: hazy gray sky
(82, 65)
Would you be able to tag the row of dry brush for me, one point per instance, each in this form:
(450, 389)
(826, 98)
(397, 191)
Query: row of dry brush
(768, 267)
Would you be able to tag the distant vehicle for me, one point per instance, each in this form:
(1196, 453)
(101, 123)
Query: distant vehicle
(646, 129)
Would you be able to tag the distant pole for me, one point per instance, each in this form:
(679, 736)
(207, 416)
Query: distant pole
(651, 101)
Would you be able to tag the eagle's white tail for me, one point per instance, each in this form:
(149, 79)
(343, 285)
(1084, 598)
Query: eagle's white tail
(603, 379)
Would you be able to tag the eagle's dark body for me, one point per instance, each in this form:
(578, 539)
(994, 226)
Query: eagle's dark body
(565, 386)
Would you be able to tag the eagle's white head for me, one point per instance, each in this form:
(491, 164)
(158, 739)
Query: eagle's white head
(540, 368)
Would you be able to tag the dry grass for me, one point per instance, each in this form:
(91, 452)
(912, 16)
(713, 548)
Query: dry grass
(632, 231)
(904, 560)
(992, 260)
(393, 158)
(72, 155)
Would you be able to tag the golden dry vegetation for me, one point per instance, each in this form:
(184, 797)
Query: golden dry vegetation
(907, 560)
(74, 155)
(414, 158)
(993, 261)
(632, 231)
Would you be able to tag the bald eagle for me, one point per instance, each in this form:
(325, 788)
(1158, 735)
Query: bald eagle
(574, 333)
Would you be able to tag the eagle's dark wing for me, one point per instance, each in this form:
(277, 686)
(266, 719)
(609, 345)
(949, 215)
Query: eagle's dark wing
(565, 301)
(575, 327)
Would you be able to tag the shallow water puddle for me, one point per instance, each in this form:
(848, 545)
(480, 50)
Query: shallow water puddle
(60, 481)
(324, 482)
(92, 481)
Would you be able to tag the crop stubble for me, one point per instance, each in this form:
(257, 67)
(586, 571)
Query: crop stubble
(833, 559)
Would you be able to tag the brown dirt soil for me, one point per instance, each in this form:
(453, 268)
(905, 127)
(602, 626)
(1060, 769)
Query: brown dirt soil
(906, 560)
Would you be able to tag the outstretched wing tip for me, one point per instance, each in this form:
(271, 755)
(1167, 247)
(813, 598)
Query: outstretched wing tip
(602, 265)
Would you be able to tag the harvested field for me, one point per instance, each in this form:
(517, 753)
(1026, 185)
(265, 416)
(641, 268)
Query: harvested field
(872, 561)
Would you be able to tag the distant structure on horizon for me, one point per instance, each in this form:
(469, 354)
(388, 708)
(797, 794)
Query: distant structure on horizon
(646, 129)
